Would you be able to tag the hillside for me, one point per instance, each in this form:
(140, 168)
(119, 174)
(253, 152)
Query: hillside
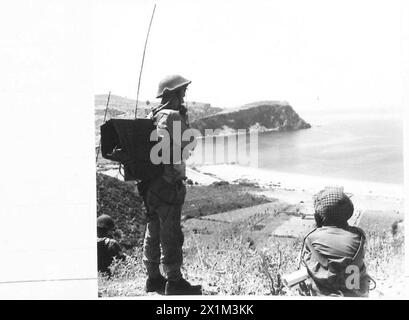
(260, 116)
(198, 110)
(238, 252)
(119, 200)
(122, 202)
(123, 107)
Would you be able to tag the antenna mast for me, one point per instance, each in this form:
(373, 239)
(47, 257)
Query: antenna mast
(143, 59)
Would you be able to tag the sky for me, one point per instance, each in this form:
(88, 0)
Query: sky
(314, 54)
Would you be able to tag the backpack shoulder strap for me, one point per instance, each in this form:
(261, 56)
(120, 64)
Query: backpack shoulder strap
(162, 112)
(157, 116)
(360, 248)
(303, 247)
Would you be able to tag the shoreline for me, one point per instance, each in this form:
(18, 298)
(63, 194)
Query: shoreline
(207, 174)
(299, 182)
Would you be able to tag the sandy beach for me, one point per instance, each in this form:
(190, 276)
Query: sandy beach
(296, 188)
(232, 172)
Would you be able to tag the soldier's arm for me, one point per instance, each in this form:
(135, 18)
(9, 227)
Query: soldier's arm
(115, 250)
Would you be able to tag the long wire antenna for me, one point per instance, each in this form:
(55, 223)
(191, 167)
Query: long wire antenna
(143, 59)
(106, 107)
(105, 116)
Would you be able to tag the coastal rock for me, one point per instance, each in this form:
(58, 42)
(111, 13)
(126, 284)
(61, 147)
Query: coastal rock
(259, 116)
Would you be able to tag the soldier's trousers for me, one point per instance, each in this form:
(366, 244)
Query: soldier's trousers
(163, 236)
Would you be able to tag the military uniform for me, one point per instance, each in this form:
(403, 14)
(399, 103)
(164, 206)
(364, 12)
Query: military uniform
(164, 195)
(164, 199)
(334, 251)
(329, 251)
(107, 250)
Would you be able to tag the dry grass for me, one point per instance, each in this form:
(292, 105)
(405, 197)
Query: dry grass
(122, 202)
(232, 267)
(207, 200)
(230, 264)
(384, 253)
(244, 260)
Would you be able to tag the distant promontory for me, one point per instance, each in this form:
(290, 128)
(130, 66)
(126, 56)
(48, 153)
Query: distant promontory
(262, 116)
(259, 116)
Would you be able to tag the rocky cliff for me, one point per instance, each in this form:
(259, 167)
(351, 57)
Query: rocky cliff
(259, 116)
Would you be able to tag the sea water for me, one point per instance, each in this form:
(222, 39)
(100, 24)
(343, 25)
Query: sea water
(355, 146)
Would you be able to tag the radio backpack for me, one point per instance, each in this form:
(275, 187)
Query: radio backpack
(128, 142)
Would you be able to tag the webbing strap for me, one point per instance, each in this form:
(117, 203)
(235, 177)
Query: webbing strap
(302, 248)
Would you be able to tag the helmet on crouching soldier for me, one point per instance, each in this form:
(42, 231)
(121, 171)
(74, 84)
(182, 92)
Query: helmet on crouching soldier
(332, 207)
(105, 224)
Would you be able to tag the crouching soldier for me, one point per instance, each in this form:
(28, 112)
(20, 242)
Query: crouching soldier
(334, 251)
(164, 196)
(107, 248)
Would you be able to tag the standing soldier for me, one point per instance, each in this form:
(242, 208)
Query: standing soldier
(164, 197)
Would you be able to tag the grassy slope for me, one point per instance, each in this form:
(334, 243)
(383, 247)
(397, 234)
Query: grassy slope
(385, 252)
(121, 201)
(207, 200)
(232, 261)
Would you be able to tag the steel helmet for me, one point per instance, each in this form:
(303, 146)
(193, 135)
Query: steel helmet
(105, 221)
(171, 83)
(333, 205)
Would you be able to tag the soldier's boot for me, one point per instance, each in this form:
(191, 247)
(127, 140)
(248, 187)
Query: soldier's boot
(157, 285)
(182, 287)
